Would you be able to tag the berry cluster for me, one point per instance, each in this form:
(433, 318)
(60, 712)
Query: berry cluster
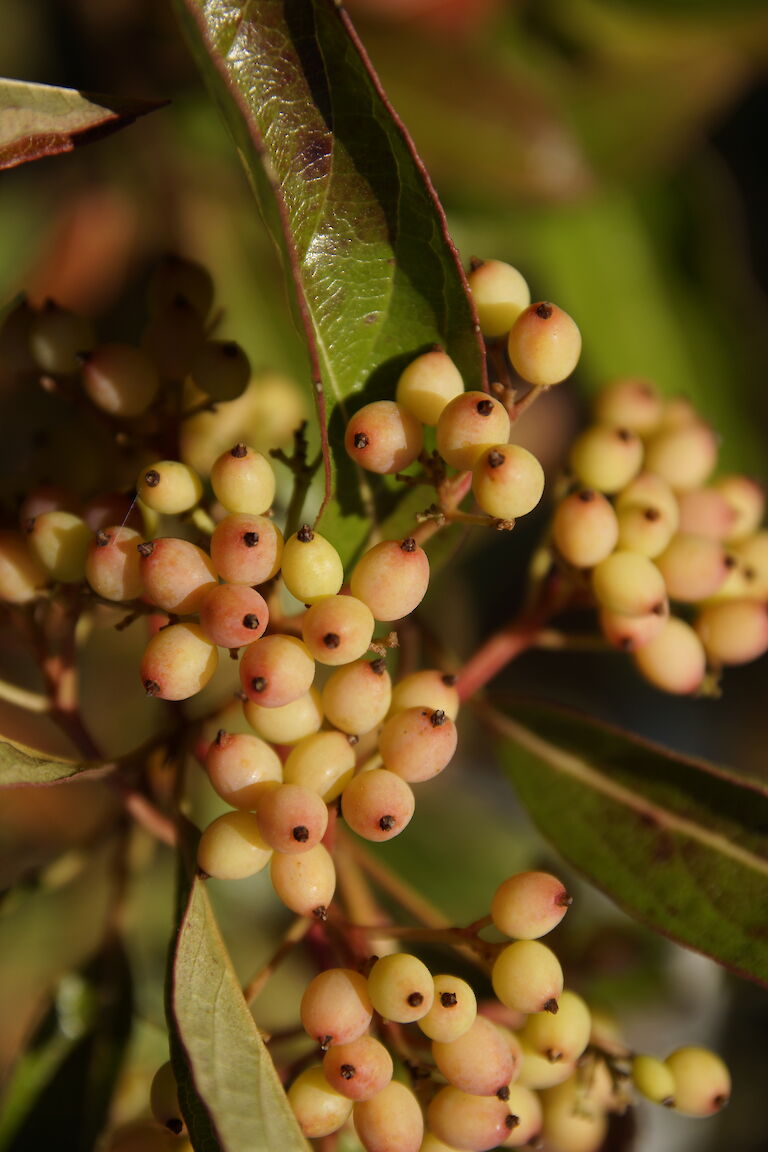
(647, 524)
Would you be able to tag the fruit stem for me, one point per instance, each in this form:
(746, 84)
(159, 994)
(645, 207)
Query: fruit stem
(295, 933)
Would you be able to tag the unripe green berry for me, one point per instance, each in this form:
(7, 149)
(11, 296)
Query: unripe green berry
(243, 480)
(232, 847)
(169, 487)
(311, 566)
(654, 1080)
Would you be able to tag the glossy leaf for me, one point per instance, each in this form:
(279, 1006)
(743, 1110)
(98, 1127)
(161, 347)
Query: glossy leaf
(20, 765)
(229, 1091)
(374, 274)
(38, 120)
(682, 845)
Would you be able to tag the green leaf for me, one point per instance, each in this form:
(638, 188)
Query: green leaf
(21, 765)
(230, 1093)
(374, 275)
(681, 844)
(38, 120)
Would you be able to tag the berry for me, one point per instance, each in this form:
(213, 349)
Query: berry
(527, 976)
(401, 987)
(529, 905)
(288, 723)
(417, 744)
(336, 1007)
(221, 369)
(390, 1120)
(175, 276)
(322, 761)
(391, 578)
(650, 491)
(384, 437)
(427, 688)
(292, 818)
(629, 583)
(693, 567)
(465, 1121)
(746, 500)
(233, 614)
(173, 337)
(702, 1081)
(630, 632)
(377, 804)
(606, 458)
(507, 481)
(311, 566)
(317, 1106)
(21, 573)
(359, 1069)
(585, 529)
(471, 423)
(113, 565)
(170, 487)
(683, 456)
(246, 549)
(500, 294)
(563, 1036)
(629, 403)
(59, 541)
(276, 670)
(243, 480)
(525, 1105)
(571, 1123)
(538, 1071)
(338, 629)
(544, 345)
(733, 631)
(164, 1099)
(232, 847)
(453, 1011)
(238, 765)
(480, 1061)
(428, 384)
(643, 528)
(654, 1080)
(120, 379)
(57, 337)
(177, 575)
(705, 512)
(178, 662)
(357, 696)
(674, 659)
(304, 881)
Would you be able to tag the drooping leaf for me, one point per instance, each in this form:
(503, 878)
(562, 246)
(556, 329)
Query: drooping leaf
(374, 274)
(21, 765)
(230, 1093)
(680, 844)
(38, 120)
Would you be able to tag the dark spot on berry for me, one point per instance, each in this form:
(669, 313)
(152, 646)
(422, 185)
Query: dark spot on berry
(146, 548)
(174, 1126)
(347, 1071)
(587, 496)
(551, 1006)
(730, 561)
(152, 478)
(563, 899)
(151, 687)
(305, 534)
(239, 451)
(325, 1042)
(484, 407)
(360, 440)
(102, 538)
(300, 833)
(379, 666)
(415, 999)
(448, 999)
(626, 644)
(668, 1102)
(553, 1055)
(250, 620)
(437, 718)
(219, 740)
(387, 823)
(720, 1101)
(409, 544)
(259, 683)
(625, 435)
(652, 515)
(511, 1121)
(495, 458)
(544, 310)
(659, 609)
(320, 913)
(449, 679)
(331, 639)
(503, 1093)
(29, 525)
(250, 539)
(352, 739)
(230, 349)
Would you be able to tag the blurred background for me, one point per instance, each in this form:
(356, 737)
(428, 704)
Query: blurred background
(614, 150)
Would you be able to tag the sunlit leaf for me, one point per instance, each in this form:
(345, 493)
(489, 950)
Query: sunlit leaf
(38, 120)
(680, 844)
